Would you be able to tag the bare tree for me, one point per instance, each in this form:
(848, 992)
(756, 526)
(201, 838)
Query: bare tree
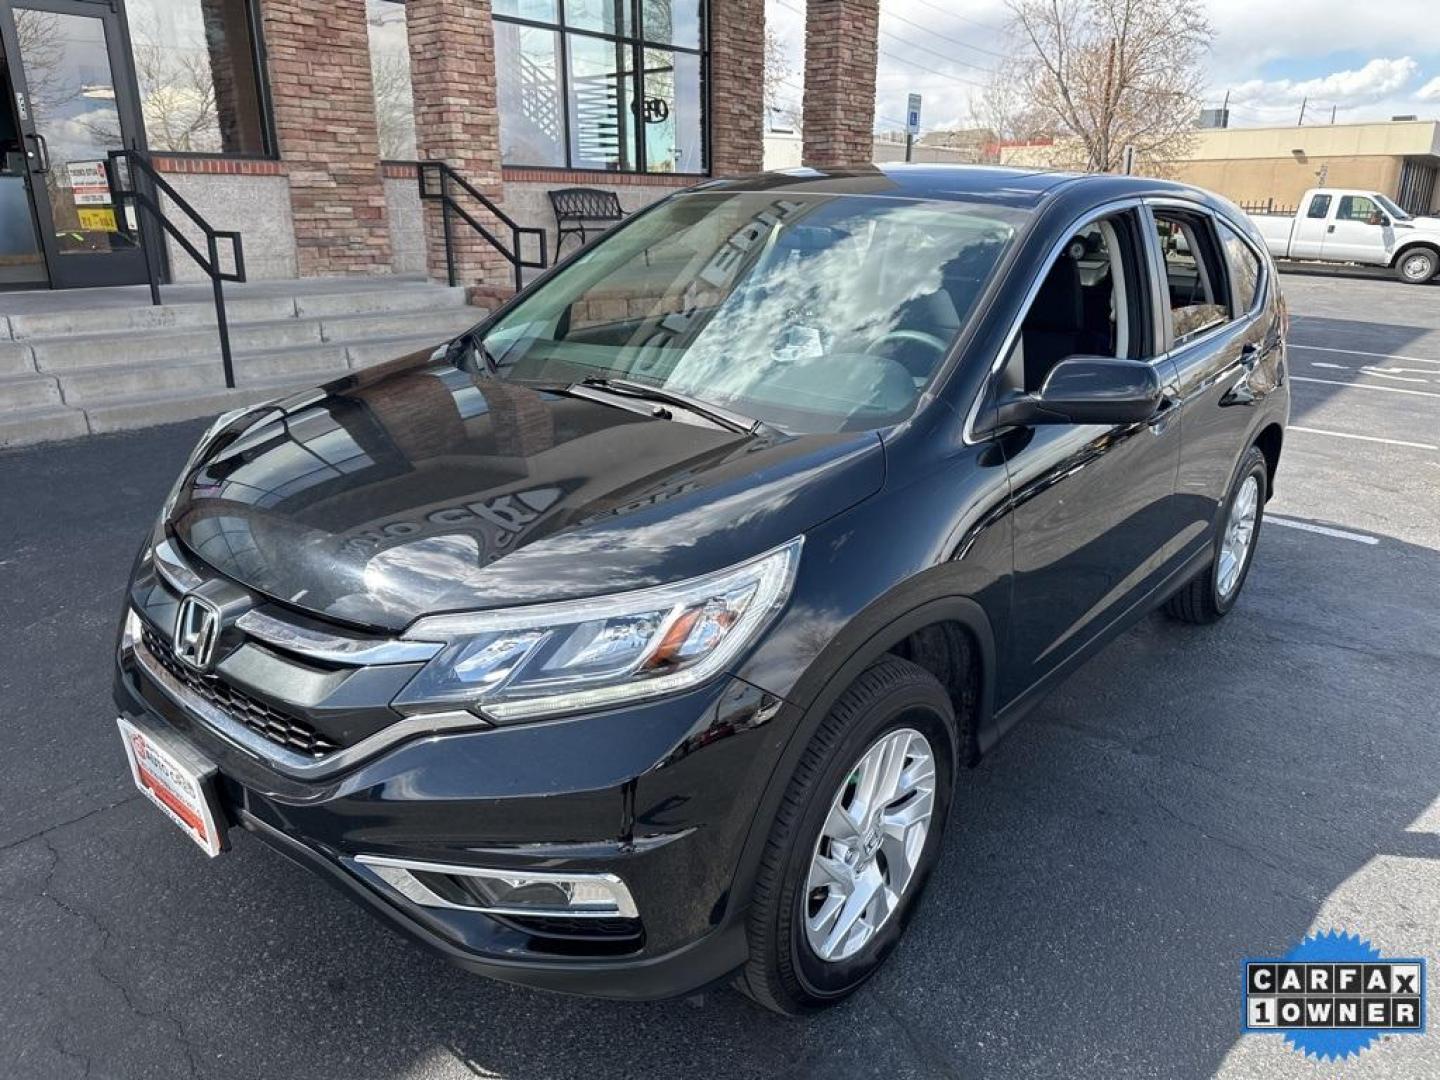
(779, 73)
(1112, 73)
(394, 104)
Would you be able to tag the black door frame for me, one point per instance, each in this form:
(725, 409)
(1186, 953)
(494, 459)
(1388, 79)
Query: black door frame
(77, 269)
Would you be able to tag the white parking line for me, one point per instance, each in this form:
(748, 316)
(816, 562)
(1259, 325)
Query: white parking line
(1323, 530)
(1362, 438)
(1365, 386)
(1361, 352)
(1387, 375)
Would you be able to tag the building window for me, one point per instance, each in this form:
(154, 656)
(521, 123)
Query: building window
(197, 68)
(390, 71)
(613, 85)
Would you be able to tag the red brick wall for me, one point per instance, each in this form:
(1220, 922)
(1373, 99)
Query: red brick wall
(841, 50)
(452, 64)
(737, 86)
(319, 67)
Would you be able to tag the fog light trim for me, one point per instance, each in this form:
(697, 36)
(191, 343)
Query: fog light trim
(608, 897)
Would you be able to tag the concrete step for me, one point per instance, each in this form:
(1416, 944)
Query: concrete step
(120, 320)
(41, 425)
(368, 353)
(374, 302)
(28, 392)
(403, 297)
(94, 385)
(16, 359)
(439, 324)
(139, 348)
(125, 414)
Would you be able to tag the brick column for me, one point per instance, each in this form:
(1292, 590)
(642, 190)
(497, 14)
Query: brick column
(841, 51)
(457, 120)
(737, 86)
(319, 63)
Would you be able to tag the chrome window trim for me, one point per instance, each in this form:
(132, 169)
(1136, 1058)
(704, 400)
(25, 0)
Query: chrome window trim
(1107, 209)
(417, 891)
(333, 648)
(286, 761)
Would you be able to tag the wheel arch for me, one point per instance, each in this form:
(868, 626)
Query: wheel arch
(1269, 441)
(1432, 246)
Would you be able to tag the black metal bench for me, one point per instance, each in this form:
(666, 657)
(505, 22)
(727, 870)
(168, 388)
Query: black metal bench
(579, 210)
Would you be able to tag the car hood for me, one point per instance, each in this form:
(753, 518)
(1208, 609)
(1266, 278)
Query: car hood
(416, 488)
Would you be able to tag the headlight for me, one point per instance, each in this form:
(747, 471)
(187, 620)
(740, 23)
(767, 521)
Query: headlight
(551, 658)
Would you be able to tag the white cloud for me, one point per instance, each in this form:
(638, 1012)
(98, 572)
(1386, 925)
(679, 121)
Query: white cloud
(1376, 81)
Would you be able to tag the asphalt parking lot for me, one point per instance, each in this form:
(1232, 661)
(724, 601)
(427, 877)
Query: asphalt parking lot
(1192, 797)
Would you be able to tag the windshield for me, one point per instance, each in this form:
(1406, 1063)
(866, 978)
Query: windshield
(1391, 209)
(812, 313)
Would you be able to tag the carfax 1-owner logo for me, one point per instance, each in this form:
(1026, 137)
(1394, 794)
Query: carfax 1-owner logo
(1333, 995)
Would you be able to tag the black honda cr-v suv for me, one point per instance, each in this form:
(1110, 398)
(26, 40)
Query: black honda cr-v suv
(635, 639)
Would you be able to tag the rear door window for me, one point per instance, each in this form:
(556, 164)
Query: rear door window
(1194, 274)
(1319, 206)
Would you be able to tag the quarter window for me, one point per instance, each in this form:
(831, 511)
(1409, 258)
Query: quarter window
(1319, 206)
(1244, 268)
(612, 85)
(1194, 275)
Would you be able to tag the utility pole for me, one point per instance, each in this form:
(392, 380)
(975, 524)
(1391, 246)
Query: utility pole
(1225, 110)
(1303, 102)
(1332, 114)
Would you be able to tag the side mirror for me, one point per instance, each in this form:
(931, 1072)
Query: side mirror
(1088, 390)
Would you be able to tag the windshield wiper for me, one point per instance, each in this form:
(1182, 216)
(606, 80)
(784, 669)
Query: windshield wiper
(726, 418)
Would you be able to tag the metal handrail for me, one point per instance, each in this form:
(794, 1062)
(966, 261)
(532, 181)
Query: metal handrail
(450, 208)
(209, 261)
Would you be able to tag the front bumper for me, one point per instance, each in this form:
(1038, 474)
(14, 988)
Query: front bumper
(661, 795)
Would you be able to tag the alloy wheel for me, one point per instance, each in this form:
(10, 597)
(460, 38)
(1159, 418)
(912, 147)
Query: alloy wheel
(1239, 535)
(870, 845)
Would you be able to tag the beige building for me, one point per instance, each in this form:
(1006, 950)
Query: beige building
(1273, 167)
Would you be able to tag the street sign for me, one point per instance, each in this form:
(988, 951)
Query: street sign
(912, 115)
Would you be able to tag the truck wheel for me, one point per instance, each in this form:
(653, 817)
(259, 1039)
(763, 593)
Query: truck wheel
(855, 838)
(1417, 266)
(1211, 594)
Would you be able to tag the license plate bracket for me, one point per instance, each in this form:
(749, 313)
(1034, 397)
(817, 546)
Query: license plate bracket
(177, 780)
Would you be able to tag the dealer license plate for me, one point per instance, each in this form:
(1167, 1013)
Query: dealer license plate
(179, 782)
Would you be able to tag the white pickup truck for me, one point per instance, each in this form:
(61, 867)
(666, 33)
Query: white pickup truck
(1344, 225)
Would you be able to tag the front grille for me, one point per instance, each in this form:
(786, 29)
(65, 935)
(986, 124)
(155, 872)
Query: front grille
(278, 727)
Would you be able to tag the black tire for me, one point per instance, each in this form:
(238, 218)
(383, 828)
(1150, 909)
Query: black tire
(784, 974)
(1417, 266)
(1200, 600)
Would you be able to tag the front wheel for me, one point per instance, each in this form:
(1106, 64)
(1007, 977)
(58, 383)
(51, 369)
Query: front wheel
(1211, 594)
(855, 838)
(1417, 266)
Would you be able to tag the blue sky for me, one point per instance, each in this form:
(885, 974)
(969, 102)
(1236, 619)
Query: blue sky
(1270, 54)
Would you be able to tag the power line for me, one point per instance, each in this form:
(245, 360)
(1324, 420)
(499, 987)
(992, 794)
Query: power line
(962, 18)
(943, 37)
(933, 52)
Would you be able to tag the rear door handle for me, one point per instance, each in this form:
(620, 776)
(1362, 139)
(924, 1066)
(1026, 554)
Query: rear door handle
(1329, 228)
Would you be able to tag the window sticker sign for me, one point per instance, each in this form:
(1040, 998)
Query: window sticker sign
(89, 182)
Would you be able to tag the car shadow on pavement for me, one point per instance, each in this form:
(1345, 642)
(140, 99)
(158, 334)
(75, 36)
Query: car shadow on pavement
(1191, 797)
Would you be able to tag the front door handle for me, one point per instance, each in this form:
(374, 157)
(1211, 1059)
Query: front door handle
(41, 154)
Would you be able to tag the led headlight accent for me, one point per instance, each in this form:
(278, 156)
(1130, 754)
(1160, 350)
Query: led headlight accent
(545, 659)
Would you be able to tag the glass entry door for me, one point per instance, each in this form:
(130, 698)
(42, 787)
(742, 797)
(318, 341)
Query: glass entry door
(64, 57)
